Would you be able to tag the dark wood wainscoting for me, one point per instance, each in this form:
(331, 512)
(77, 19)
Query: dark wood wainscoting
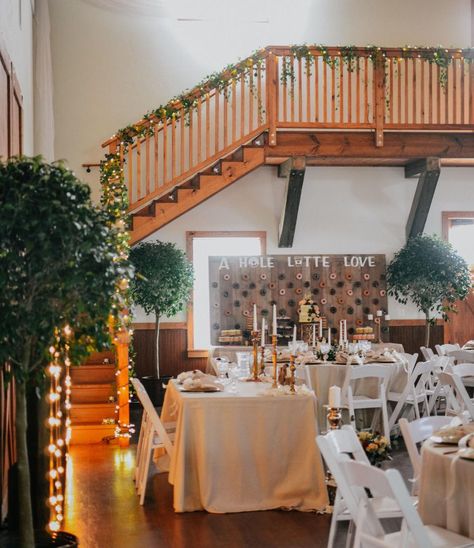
(411, 333)
(173, 345)
(173, 351)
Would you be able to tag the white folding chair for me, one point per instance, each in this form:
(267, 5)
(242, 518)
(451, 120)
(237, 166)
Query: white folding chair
(153, 435)
(466, 372)
(418, 389)
(443, 349)
(462, 356)
(339, 446)
(427, 353)
(389, 485)
(416, 432)
(457, 398)
(353, 402)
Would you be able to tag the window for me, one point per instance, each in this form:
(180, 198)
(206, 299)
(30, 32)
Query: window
(201, 246)
(458, 230)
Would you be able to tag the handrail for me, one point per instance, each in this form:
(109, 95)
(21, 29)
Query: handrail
(294, 88)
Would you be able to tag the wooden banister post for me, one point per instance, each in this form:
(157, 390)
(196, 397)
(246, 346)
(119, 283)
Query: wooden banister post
(471, 91)
(271, 83)
(122, 343)
(379, 105)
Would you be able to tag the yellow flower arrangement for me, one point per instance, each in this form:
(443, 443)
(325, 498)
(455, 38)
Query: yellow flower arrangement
(376, 447)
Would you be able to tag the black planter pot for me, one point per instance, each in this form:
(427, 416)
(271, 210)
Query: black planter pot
(10, 539)
(154, 388)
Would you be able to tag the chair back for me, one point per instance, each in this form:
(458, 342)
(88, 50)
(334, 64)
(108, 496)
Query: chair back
(387, 484)
(427, 353)
(443, 349)
(457, 398)
(462, 356)
(357, 372)
(152, 415)
(418, 431)
(464, 370)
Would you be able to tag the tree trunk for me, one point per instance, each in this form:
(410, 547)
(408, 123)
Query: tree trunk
(27, 539)
(427, 331)
(157, 342)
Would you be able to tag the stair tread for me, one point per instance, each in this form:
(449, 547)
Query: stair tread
(84, 385)
(88, 405)
(84, 425)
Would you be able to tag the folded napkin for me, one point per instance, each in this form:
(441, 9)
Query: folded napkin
(196, 376)
(469, 345)
(349, 359)
(301, 390)
(202, 384)
(306, 357)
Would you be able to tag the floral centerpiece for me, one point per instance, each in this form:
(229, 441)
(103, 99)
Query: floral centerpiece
(376, 447)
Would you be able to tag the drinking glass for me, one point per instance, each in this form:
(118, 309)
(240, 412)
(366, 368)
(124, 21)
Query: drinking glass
(234, 374)
(222, 369)
(325, 348)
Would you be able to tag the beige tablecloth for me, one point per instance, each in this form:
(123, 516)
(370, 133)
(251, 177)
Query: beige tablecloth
(323, 376)
(230, 352)
(244, 452)
(446, 496)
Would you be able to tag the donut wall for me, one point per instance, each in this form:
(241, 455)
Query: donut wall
(343, 286)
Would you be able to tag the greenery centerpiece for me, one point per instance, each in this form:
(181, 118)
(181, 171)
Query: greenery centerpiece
(162, 284)
(428, 271)
(58, 268)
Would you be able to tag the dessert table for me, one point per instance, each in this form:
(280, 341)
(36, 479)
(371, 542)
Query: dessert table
(245, 451)
(446, 496)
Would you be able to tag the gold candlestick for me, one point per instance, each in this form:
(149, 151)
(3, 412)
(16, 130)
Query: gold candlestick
(334, 418)
(255, 339)
(262, 360)
(292, 374)
(274, 361)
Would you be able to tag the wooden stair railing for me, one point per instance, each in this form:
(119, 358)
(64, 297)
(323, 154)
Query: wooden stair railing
(169, 169)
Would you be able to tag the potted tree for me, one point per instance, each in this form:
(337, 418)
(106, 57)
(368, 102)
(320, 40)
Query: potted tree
(58, 266)
(429, 272)
(162, 286)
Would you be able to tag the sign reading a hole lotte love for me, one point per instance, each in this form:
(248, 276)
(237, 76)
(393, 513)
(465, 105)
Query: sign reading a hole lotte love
(343, 287)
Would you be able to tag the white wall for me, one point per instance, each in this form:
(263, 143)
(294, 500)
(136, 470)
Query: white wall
(16, 32)
(342, 210)
(111, 67)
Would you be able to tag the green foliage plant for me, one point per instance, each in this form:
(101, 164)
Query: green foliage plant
(57, 266)
(429, 272)
(163, 282)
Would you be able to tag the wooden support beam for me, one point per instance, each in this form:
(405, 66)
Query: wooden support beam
(339, 147)
(428, 171)
(294, 170)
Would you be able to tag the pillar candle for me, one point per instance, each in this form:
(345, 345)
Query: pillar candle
(335, 397)
(320, 328)
(314, 334)
(370, 317)
(387, 317)
(263, 331)
(379, 313)
(329, 335)
(255, 317)
(274, 319)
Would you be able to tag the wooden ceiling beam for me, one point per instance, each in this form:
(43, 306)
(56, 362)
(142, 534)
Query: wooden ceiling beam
(428, 171)
(341, 146)
(293, 170)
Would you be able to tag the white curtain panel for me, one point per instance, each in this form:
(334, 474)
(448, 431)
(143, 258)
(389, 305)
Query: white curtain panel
(43, 83)
(150, 8)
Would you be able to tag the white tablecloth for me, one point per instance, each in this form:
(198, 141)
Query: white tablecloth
(244, 452)
(323, 376)
(446, 497)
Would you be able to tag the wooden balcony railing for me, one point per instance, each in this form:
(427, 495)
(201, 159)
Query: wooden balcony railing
(289, 88)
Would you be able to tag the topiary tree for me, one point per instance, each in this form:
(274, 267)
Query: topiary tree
(58, 266)
(163, 282)
(428, 271)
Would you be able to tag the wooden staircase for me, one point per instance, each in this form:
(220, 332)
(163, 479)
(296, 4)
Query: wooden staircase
(93, 395)
(337, 106)
(202, 186)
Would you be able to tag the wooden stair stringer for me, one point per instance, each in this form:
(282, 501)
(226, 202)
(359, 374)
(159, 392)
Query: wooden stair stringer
(210, 184)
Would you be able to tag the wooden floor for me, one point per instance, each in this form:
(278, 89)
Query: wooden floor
(103, 511)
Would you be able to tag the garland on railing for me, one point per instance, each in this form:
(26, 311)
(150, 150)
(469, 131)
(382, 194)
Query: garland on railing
(439, 56)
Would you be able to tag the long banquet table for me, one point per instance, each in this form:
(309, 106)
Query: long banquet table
(446, 496)
(245, 451)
